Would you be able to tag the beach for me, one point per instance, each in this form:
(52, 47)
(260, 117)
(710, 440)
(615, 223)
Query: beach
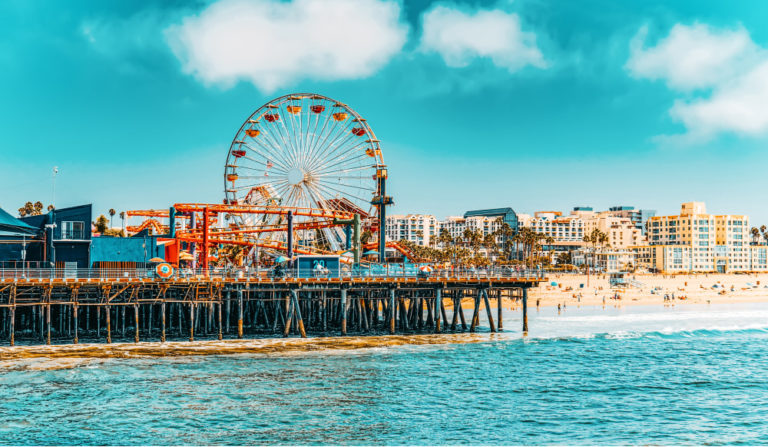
(686, 288)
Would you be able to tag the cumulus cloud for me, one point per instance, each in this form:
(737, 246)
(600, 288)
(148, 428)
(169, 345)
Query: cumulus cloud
(692, 56)
(724, 70)
(738, 105)
(460, 36)
(272, 43)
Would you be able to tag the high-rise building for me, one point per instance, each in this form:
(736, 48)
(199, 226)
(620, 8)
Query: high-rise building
(696, 241)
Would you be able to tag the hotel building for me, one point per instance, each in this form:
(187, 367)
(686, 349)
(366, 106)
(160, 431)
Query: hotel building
(421, 229)
(695, 241)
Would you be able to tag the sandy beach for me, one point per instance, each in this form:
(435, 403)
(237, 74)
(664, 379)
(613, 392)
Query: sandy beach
(686, 288)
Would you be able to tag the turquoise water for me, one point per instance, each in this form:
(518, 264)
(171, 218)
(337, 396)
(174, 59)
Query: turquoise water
(644, 375)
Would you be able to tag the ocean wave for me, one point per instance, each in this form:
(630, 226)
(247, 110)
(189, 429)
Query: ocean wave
(667, 333)
(71, 356)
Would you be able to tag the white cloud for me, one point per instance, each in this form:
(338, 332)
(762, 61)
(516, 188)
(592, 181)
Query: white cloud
(460, 37)
(692, 56)
(726, 71)
(273, 44)
(739, 105)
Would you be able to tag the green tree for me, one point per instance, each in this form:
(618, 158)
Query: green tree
(111, 215)
(101, 224)
(564, 258)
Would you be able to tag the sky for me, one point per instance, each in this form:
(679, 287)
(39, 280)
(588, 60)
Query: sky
(532, 104)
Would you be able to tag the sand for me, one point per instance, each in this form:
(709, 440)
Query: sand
(687, 288)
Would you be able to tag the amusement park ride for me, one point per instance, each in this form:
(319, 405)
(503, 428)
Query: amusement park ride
(303, 175)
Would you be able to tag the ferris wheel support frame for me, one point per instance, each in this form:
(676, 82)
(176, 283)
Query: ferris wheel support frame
(381, 200)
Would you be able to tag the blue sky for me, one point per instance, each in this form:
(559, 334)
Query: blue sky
(533, 104)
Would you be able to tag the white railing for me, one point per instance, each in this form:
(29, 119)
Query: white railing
(374, 271)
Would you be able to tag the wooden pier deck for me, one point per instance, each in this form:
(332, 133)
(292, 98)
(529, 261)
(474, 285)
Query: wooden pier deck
(65, 310)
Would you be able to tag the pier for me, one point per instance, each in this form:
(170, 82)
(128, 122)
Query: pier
(46, 310)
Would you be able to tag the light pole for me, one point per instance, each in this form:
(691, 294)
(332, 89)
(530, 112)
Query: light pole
(53, 183)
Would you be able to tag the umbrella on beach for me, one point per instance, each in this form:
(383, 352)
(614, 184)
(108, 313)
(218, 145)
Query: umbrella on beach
(425, 268)
(553, 284)
(156, 260)
(370, 253)
(185, 256)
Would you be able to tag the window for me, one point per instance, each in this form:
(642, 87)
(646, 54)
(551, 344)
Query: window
(72, 230)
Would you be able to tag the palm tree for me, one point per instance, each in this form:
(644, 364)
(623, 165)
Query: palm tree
(122, 218)
(31, 209)
(111, 215)
(489, 243)
(550, 242)
(101, 224)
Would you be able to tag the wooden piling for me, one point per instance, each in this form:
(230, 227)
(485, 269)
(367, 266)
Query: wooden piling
(136, 322)
(218, 314)
(74, 320)
(109, 327)
(476, 312)
(162, 322)
(48, 324)
(525, 311)
(488, 310)
(343, 311)
(392, 314)
(239, 313)
(500, 324)
(191, 322)
(289, 317)
(13, 325)
(438, 308)
(296, 304)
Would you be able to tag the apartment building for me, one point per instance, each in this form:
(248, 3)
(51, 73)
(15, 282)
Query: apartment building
(695, 241)
(638, 217)
(565, 230)
(421, 229)
(621, 231)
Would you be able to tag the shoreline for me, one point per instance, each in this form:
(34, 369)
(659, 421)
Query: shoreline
(686, 289)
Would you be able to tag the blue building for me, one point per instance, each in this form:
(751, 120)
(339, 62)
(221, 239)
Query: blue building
(507, 215)
(128, 252)
(66, 233)
(19, 242)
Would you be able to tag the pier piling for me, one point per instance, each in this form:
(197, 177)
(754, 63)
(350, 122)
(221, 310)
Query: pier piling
(525, 311)
(290, 307)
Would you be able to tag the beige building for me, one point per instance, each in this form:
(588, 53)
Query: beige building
(621, 231)
(695, 241)
(569, 231)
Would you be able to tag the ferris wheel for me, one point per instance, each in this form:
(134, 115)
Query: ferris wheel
(308, 151)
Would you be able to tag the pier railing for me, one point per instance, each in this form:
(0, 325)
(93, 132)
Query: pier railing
(364, 272)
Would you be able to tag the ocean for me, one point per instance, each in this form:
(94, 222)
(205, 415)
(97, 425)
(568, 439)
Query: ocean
(690, 374)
